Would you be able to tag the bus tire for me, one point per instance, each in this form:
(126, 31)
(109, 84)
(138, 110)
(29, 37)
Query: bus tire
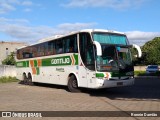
(72, 84)
(30, 80)
(24, 81)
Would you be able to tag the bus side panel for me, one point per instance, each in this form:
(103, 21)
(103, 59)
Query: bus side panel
(82, 77)
(20, 71)
(54, 74)
(64, 73)
(46, 75)
(92, 82)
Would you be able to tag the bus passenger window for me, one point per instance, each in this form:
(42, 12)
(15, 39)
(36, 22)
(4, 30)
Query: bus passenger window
(54, 51)
(59, 46)
(73, 44)
(71, 49)
(46, 48)
(18, 54)
(60, 50)
(34, 51)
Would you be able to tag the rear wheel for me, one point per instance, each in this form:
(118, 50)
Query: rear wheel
(72, 84)
(24, 81)
(29, 80)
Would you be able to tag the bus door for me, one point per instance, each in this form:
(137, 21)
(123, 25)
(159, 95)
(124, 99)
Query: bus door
(87, 63)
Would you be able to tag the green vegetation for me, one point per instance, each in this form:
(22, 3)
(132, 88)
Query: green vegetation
(10, 60)
(139, 73)
(150, 53)
(8, 79)
(143, 73)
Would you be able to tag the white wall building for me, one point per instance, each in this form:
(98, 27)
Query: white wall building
(7, 47)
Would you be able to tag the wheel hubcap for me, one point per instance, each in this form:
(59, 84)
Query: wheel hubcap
(74, 84)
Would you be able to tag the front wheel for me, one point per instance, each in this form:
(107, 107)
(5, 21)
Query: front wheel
(72, 84)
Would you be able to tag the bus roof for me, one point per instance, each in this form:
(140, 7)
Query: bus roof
(101, 30)
(74, 32)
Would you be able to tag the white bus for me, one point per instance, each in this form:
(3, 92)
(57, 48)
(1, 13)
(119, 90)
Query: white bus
(91, 58)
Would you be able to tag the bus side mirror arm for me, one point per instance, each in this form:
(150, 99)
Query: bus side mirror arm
(98, 47)
(138, 49)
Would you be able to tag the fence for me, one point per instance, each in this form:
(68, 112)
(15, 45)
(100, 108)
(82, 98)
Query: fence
(6, 70)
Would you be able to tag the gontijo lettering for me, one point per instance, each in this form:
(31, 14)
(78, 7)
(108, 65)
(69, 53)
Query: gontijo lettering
(60, 61)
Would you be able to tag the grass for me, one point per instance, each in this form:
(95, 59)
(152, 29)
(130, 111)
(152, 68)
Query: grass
(8, 79)
(139, 73)
(143, 73)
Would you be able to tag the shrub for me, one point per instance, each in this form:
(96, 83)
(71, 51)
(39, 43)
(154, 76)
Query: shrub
(8, 79)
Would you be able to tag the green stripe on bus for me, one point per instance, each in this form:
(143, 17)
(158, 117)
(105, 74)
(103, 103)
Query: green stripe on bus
(76, 58)
(116, 74)
(55, 61)
(22, 64)
(27, 63)
(38, 71)
(99, 75)
(113, 74)
(35, 63)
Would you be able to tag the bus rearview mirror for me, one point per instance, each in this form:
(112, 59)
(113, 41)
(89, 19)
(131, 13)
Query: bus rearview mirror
(138, 49)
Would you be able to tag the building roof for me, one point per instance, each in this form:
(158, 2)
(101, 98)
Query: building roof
(1, 42)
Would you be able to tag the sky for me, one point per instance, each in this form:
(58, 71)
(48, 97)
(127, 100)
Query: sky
(32, 20)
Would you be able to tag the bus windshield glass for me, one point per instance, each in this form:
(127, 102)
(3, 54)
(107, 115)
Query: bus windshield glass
(114, 58)
(108, 38)
(116, 54)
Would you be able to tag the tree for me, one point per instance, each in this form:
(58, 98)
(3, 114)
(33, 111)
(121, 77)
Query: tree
(152, 51)
(10, 60)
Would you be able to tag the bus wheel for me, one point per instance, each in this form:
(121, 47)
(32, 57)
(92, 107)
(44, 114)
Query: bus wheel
(30, 80)
(72, 84)
(24, 81)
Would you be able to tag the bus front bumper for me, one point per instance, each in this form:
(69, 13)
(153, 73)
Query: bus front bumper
(101, 83)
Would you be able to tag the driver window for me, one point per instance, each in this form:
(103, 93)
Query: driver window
(108, 54)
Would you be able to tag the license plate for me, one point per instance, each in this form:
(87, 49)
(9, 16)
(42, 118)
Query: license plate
(119, 83)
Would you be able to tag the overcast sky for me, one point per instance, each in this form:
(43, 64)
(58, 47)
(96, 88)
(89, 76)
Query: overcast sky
(31, 20)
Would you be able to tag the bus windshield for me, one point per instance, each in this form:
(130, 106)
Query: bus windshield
(116, 54)
(108, 38)
(114, 58)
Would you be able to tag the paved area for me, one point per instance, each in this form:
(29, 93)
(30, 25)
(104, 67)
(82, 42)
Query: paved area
(143, 96)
